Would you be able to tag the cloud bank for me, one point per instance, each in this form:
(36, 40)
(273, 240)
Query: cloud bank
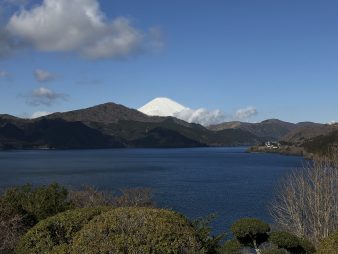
(210, 117)
(245, 113)
(44, 96)
(43, 76)
(77, 26)
(201, 116)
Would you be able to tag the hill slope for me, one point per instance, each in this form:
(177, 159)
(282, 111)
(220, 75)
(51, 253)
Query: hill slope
(112, 125)
(268, 129)
(104, 113)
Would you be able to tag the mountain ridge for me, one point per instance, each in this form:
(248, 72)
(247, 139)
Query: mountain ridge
(112, 125)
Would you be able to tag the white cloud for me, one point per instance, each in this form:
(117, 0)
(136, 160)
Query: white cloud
(209, 117)
(43, 76)
(40, 114)
(201, 116)
(245, 113)
(44, 96)
(76, 26)
(332, 122)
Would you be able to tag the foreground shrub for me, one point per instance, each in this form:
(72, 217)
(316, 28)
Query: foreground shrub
(273, 251)
(137, 230)
(22, 207)
(135, 197)
(56, 233)
(231, 247)
(90, 197)
(291, 242)
(250, 232)
(34, 204)
(11, 229)
(329, 245)
(306, 246)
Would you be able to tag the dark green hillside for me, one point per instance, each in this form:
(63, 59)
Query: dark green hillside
(104, 113)
(161, 137)
(271, 129)
(320, 145)
(53, 134)
(132, 131)
(308, 131)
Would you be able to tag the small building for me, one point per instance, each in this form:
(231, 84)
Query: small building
(272, 144)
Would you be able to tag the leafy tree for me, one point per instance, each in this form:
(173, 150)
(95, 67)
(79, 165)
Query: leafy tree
(251, 232)
(202, 226)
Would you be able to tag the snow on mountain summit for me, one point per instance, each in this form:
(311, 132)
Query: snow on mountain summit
(162, 107)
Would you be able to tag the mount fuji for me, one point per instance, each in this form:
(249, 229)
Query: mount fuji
(166, 107)
(162, 107)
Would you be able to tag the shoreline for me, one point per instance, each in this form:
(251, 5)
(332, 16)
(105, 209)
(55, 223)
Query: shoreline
(283, 150)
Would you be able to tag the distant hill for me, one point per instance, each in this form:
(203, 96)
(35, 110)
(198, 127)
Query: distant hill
(272, 129)
(321, 144)
(56, 133)
(305, 138)
(104, 113)
(112, 125)
(307, 131)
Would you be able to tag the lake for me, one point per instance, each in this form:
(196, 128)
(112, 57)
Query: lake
(195, 181)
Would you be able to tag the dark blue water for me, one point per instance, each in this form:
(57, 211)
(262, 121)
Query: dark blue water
(196, 182)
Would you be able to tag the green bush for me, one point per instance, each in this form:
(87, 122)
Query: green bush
(273, 251)
(306, 246)
(329, 245)
(34, 204)
(284, 240)
(230, 247)
(291, 242)
(55, 234)
(137, 230)
(250, 232)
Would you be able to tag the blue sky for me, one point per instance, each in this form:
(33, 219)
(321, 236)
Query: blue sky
(279, 57)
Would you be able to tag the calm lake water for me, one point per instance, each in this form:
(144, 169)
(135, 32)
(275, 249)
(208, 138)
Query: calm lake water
(196, 182)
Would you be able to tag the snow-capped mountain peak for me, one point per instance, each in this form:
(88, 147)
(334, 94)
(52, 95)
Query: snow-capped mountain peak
(162, 106)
